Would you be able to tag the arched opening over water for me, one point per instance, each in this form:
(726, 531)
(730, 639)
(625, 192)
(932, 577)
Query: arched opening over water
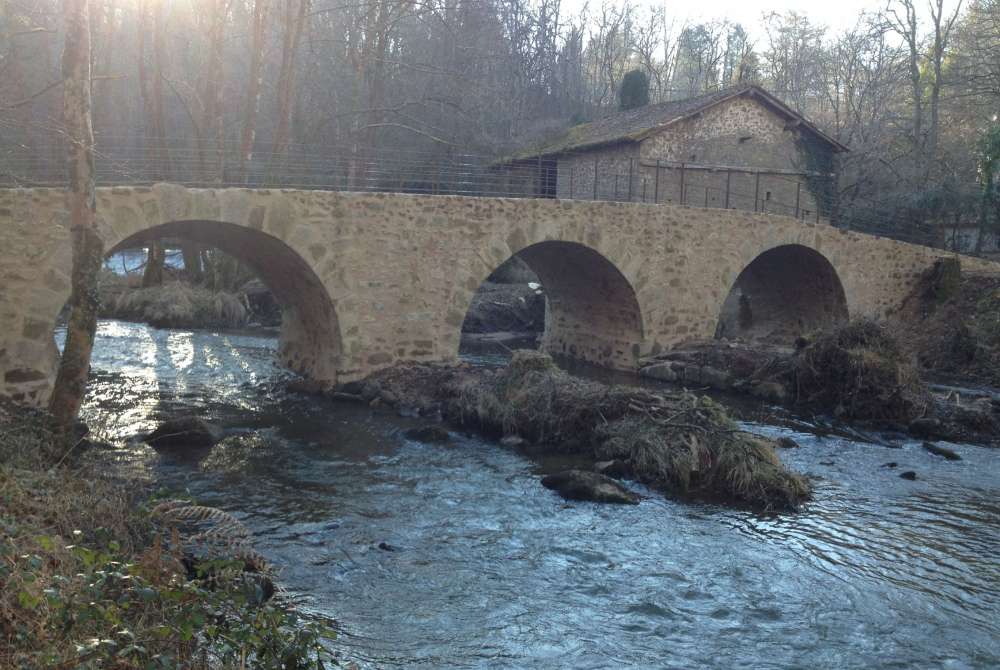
(783, 293)
(591, 312)
(310, 341)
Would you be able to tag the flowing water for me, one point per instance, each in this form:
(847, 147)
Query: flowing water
(486, 568)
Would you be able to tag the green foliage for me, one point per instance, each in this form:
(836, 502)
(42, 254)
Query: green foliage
(634, 90)
(989, 156)
(819, 161)
(989, 171)
(91, 578)
(70, 605)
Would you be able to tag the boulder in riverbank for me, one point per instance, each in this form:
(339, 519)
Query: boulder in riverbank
(589, 486)
(187, 431)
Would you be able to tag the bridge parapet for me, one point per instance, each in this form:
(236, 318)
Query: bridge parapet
(573, 176)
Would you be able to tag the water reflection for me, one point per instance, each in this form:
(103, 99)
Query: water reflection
(488, 569)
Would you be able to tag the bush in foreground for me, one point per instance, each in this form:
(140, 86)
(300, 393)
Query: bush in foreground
(89, 578)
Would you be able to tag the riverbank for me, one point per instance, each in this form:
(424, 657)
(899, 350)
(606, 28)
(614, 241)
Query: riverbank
(951, 325)
(179, 303)
(859, 374)
(97, 572)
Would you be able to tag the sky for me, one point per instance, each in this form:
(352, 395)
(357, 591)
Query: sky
(836, 14)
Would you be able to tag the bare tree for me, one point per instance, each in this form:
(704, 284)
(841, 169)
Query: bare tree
(942, 27)
(254, 83)
(296, 14)
(902, 18)
(88, 249)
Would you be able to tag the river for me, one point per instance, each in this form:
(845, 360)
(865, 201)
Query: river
(486, 568)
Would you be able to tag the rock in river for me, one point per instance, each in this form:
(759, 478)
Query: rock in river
(583, 485)
(786, 443)
(941, 451)
(616, 469)
(186, 431)
(431, 434)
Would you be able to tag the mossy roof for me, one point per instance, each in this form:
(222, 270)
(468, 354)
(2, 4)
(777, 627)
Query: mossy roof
(637, 124)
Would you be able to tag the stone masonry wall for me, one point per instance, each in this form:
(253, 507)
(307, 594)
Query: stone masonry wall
(738, 133)
(575, 180)
(400, 270)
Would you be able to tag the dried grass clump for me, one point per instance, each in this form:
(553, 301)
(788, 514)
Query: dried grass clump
(179, 305)
(209, 534)
(678, 443)
(859, 372)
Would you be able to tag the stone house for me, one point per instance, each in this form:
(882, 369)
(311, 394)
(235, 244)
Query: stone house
(737, 148)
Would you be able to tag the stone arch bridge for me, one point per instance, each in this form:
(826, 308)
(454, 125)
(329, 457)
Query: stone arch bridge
(368, 280)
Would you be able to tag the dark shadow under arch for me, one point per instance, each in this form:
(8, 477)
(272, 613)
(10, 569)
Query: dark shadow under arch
(592, 313)
(785, 292)
(310, 333)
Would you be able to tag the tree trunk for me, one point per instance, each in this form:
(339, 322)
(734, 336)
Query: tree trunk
(294, 24)
(88, 249)
(155, 259)
(192, 261)
(211, 123)
(260, 9)
(151, 91)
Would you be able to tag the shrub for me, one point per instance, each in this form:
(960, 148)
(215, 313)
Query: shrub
(90, 578)
(858, 371)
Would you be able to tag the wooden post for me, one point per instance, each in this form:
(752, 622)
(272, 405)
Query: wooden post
(540, 179)
(595, 177)
(656, 184)
(631, 170)
(729, 178)
(682, 183)
(798, 196)
(756, 192)
(706, 197)
(572, 168)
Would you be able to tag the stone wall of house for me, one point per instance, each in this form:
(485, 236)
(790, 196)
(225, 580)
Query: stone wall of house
(372, 279)
(612, 166)
(738, 133)
(742, 132)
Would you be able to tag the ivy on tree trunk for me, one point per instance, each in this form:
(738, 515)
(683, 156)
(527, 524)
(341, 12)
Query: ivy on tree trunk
(88, 248)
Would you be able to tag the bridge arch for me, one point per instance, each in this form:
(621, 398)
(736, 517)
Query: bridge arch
(592, 310)
(310, 341)
(783, 292)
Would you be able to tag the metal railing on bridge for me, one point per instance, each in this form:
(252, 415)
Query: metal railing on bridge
(809, 197)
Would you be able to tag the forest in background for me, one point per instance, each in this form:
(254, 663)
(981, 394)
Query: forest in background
(913, 89)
